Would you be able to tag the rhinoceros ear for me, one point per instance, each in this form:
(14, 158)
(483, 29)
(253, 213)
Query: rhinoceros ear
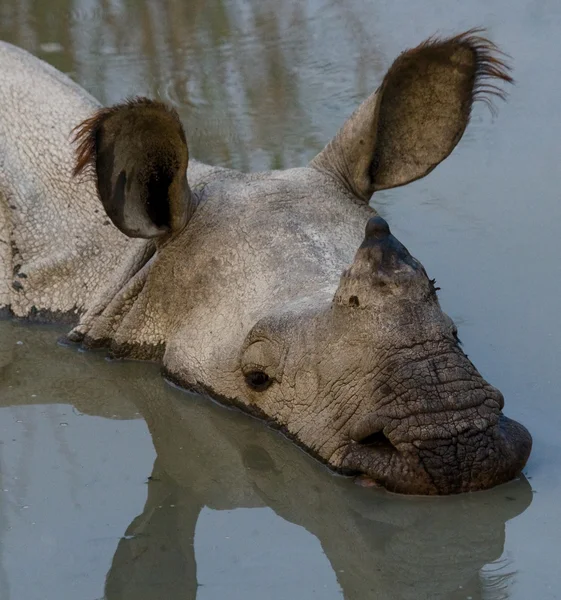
(417, 115)
(137, 153)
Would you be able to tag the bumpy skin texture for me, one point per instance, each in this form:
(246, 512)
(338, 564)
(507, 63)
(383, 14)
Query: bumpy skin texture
(253, 289)
(58, 249)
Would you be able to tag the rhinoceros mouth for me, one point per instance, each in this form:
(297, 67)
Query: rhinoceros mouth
(459, 465)
(377, 459)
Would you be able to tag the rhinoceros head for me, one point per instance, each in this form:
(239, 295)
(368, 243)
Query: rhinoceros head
(285, 294)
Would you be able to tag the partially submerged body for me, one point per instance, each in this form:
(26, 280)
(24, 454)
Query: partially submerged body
(280, 292)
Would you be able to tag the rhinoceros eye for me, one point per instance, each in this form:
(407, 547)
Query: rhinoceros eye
(258, 380)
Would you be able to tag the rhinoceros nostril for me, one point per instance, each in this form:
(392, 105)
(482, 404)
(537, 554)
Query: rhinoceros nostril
(368, 427)
(377, 439)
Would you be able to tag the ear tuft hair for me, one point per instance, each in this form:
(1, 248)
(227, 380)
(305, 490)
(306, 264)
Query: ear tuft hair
(84, 135)
(489, 61)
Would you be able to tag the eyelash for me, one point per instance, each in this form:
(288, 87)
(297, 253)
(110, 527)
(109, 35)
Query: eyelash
(433, 286)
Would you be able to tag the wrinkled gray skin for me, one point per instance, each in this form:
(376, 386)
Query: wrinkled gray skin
(253, 290)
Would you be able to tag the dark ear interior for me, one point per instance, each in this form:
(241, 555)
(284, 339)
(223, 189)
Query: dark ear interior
(137, 153)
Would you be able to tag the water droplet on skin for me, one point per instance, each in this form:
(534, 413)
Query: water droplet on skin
(19, 343)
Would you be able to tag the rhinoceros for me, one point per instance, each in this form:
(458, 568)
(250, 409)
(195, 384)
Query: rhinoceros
(283, 293)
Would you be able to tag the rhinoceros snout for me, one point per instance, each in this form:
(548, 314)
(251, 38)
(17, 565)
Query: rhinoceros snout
(448, 462)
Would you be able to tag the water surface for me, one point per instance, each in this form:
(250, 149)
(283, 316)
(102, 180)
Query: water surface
(114, 485)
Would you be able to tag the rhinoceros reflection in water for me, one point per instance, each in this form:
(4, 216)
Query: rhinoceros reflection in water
(380, 545)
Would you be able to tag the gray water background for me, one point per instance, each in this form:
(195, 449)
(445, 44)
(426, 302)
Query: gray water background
(114, 485)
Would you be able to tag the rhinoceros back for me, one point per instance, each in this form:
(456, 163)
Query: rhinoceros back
(57, 247)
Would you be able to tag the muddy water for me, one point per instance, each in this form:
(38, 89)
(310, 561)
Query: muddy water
(114, 485)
